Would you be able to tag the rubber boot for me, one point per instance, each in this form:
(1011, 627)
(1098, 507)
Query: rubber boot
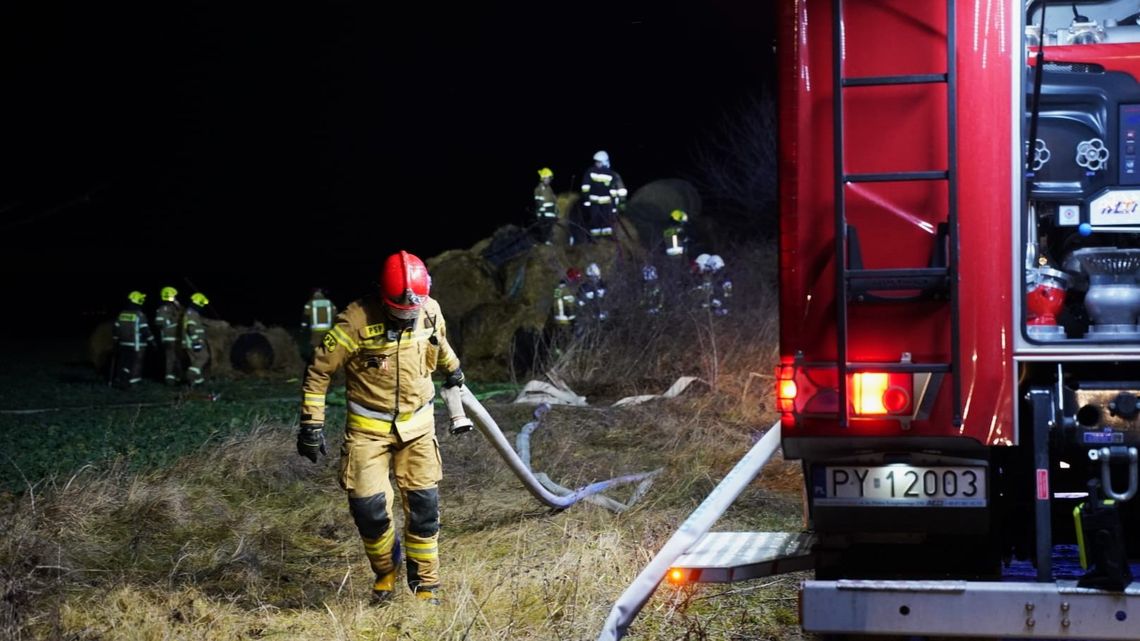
(384, 587)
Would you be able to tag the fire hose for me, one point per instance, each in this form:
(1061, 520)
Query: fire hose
(460, 400)
(696, 526)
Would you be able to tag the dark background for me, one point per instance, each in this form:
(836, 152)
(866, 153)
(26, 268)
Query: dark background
(255, 151)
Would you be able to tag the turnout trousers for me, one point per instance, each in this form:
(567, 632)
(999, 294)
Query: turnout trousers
(367, 460)
(172, 366)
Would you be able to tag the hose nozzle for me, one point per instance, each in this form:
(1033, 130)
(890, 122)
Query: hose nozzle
(453, 397)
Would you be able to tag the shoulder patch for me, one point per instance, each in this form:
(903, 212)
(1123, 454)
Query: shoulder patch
(371, 331)
(329, 342)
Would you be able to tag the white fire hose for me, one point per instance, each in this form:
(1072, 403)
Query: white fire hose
(697, 525)
(460, 398)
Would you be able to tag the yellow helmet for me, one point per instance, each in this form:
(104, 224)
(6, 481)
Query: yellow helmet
(168, 293)
(199, 299)
(545, 173)
(136, 297)
(679, 216)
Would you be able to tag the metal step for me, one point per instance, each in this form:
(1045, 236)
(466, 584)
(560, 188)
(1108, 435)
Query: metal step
(906, 79)
(969, 609)
(896, 176)
(725, 557)
(883, 280)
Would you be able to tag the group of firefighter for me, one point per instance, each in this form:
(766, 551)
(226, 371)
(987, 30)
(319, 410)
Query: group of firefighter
(579, 298)
(180, 330)
(603, 195)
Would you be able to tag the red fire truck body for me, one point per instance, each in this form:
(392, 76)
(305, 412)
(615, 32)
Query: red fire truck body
(959, 324)
(960, 352)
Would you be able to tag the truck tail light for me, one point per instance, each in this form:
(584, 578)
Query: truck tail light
(786, 394)
(881, 393)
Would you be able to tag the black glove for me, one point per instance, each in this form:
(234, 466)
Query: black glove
(455, 379)
(311, 441)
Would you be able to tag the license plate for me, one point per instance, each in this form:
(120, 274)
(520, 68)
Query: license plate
(900, 486)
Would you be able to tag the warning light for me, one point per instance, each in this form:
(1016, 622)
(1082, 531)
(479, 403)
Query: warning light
(676, 576)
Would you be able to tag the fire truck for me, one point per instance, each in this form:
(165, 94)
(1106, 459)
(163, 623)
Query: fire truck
(959, 301)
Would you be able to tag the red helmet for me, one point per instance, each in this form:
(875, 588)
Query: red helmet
(404, 284)
(573, 275)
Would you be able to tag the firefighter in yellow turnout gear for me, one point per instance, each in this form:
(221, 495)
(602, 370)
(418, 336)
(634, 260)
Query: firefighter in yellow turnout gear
(168, 318)
(132, 336)
(197, 350)
(389, 344)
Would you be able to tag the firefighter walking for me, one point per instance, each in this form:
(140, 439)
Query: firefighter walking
(194, 345)
(389, 343)
(132, 336)
(168, 320)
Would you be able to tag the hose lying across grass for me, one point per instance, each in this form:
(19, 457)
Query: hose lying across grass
(522, 444)
(491, 430)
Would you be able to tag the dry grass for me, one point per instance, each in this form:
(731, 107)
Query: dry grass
(245, 540)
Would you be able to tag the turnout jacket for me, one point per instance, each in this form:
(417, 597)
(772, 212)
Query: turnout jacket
(168, 317)
(131, 329)
(387, 371)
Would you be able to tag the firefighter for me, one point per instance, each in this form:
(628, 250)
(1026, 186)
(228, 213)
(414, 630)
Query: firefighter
(317, 318)
(565, 302)
(714, 286)
(563, 313)
(389, 343)
(652, 296)
(676, 234)
(194, 345)
(545, 206)
(168, 319)
(132, 336)
(603, 192)
(592, 294)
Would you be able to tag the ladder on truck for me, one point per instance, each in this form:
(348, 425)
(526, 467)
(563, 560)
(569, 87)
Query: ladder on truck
(854, 283)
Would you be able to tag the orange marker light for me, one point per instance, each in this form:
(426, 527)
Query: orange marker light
(785, 389)
(676, 576)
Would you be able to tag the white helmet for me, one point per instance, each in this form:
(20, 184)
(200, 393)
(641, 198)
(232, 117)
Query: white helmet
(716, 262)
(602, 158)
(702, 262)
(593, 271)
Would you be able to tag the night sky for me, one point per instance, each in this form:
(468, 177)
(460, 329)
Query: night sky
(163, 143)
